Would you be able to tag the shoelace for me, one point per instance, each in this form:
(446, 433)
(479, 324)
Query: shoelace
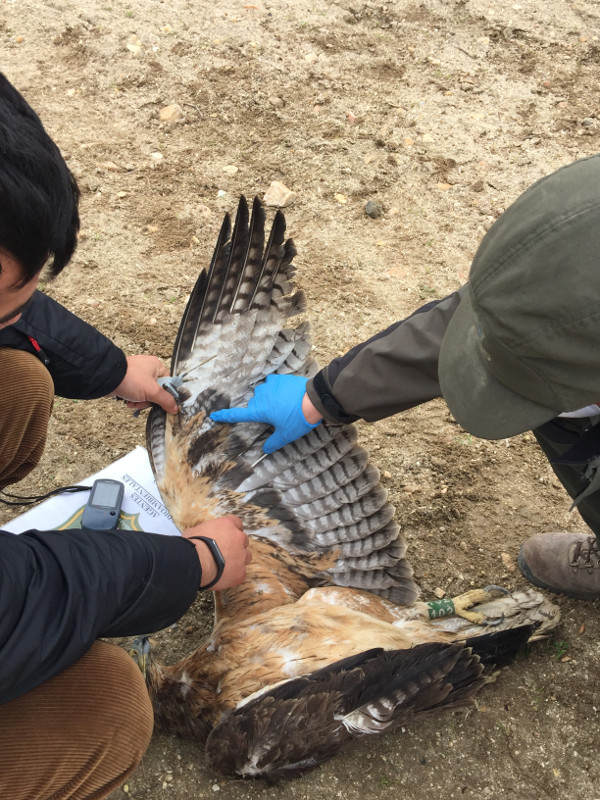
(585, 550)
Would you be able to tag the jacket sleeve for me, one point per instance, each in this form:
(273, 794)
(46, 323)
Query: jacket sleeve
(84, 363)
(61, 590)
(391, 372)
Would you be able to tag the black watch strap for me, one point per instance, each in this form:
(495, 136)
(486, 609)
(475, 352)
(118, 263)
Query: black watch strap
(217, 557)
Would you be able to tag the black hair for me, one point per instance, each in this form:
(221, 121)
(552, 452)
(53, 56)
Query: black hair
(39, 198)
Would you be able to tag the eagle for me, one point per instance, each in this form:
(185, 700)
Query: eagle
(326, 639)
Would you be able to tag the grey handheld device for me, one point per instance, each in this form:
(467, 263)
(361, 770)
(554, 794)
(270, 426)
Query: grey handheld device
(101, 512)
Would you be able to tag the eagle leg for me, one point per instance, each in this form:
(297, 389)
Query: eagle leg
(463, 602)
(140, 651)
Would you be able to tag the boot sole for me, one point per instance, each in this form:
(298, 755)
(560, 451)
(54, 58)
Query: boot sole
(528, 574)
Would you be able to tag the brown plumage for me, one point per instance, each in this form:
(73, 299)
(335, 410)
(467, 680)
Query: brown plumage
(324, 641)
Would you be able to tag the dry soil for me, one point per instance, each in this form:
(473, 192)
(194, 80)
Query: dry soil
(440, 112)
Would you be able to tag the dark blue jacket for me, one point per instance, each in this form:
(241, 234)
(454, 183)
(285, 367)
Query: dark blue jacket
(61, 590)
(83, 363)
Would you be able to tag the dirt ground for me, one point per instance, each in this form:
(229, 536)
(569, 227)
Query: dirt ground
(440, 112)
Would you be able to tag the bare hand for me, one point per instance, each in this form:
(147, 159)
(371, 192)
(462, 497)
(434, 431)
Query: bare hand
(228, 533)
(139, 388)
(311, 414)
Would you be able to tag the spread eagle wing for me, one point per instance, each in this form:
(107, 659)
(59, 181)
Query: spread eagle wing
(319, 495)
(325, 639)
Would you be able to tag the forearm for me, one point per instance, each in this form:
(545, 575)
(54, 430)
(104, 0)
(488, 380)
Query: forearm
(391, 372)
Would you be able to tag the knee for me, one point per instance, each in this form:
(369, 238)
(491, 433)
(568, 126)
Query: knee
(26, 397)
(78, 735)
(115, 714)
(26, 382)
(108, 719)
(122, 708)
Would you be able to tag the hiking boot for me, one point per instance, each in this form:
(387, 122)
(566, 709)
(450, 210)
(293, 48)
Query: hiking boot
(566, 563)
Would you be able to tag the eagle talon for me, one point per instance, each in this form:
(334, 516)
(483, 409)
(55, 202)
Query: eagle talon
(140, 651)
(493, 588)
(467, 600)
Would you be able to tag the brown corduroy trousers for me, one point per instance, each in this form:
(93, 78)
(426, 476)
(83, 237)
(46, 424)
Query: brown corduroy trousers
(80, 734)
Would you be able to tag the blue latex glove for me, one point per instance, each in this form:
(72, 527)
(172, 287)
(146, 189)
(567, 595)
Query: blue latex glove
(277, 401)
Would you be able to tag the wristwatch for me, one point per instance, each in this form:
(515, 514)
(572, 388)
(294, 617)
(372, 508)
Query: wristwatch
(217, 557)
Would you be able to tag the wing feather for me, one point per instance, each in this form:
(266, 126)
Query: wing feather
(243, 322)
(368, 693)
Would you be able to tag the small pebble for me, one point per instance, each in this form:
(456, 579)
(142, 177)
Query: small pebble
(171, 114)
(134, 45)
(279, 196)
(108, 165)
(373, 209)
(230, 169)
(508, 562)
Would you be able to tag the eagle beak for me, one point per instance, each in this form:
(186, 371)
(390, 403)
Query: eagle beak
(141, 651)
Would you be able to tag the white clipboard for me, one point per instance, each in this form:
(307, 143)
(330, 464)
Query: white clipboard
(142, 509)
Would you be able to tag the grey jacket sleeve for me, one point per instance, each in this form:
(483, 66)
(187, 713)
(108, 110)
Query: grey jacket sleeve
(391, 372)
